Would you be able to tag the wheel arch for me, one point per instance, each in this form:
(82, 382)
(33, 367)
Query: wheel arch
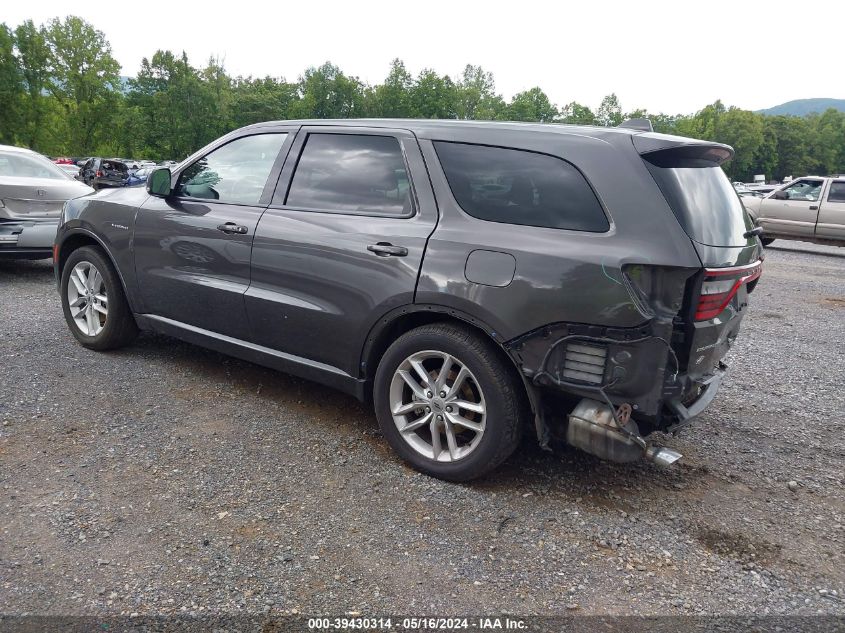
(405, 318)
(78, 238)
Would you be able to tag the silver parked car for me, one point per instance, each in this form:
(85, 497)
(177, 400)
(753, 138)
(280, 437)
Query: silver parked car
(32, 192)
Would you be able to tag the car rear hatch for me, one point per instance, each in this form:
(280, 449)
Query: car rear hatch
(708, 208)
(36, 198)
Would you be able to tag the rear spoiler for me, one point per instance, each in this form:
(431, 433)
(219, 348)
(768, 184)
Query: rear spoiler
(663, 150)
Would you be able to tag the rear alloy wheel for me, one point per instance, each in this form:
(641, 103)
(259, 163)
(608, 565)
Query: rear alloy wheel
(449, 402)
(93, 302)
(438, 406)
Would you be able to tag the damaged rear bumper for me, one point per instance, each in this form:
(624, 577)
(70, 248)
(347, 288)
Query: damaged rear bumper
(708, 389)
(645, 367)
(27, 239)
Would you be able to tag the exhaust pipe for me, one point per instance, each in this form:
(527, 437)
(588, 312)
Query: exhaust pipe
(661, 455)
(595, 428)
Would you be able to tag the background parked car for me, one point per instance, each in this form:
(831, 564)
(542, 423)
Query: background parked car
(32, 192)
(69, 169)
(138, 177)
(810, 209)
(104, 172)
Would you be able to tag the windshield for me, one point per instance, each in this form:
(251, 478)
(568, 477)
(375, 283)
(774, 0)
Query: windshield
(705, 203)
(21, 165)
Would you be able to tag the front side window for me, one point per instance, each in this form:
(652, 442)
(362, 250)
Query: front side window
(837, 192)
(353, 173)
(235, 173)
(805, 190)
(519, 187)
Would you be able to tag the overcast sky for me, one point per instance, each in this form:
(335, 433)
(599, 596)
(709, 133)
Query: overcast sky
(666, 56)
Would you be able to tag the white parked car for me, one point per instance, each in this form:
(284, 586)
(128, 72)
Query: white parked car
(32, 192)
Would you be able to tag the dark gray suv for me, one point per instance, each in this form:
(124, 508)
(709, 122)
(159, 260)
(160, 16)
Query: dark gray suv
(473, 280)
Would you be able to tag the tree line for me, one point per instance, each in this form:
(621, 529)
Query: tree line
(61, 94)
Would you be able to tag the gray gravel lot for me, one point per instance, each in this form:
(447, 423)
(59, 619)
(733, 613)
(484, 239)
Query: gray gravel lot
(164, 478)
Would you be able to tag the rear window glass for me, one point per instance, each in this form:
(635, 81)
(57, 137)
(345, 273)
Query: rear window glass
(519, 187)
(837, 192)
(705, 203)
(355, 173)
(20, 165)
(114, 165)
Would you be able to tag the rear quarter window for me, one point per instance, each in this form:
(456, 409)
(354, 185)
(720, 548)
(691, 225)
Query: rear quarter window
(837, 192)
(513, 186)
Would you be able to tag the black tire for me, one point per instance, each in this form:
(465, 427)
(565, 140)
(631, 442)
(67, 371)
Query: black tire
(767, 240)
(504, 395)
(119, 328)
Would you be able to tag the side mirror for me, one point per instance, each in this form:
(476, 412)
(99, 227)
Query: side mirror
(781, 195)
(158, 182)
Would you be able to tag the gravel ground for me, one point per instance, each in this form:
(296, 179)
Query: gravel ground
(164, 478)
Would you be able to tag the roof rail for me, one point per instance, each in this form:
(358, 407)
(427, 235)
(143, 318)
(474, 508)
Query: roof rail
(637, 124)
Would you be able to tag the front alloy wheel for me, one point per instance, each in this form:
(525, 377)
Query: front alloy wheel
(438, 406)
(93, 301)
(87, 298)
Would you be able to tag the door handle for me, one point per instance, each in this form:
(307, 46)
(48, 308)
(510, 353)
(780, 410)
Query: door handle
(814, 207)
(231, 227)
(382, 249)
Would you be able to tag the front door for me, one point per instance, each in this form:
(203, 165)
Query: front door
(192, 249)
(342, 244)
(792, 210)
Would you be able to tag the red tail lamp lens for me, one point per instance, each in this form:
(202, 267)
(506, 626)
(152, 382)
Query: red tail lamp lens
(720, 285)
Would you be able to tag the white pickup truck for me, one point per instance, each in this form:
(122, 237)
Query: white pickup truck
(810, 209)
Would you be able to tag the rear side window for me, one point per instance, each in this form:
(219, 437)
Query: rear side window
(352, 173)
(837, 192)
(518, 187)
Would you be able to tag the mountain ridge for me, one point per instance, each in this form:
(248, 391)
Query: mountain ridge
(803, 107)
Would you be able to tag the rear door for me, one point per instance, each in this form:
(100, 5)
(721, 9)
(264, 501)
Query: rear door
(341, 244)
(192, 249)
(792, 210)
(831, 222)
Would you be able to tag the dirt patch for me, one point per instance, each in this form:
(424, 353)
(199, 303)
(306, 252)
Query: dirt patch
(739, 547)
(833, 302)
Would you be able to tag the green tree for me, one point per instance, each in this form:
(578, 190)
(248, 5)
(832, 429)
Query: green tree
(577, 114)
(177, 105)
(791, 134)
(326, 93)
(34, 64)
(11, 88)
(392, 98)
(609, 113)
(532, 105)
(256, 100)
(433, 96)
(476, 97)
(742, 130)
(829, 142)
(84, 79)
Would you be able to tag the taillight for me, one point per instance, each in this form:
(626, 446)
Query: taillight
(720, 285)
(99, 174)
